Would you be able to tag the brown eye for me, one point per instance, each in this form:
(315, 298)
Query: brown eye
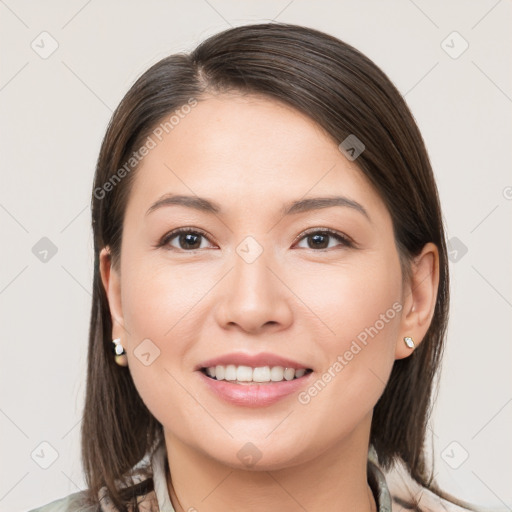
(189, 241)
(186, 240)
(321, 239)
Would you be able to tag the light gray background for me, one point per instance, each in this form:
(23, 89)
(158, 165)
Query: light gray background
(54, 113)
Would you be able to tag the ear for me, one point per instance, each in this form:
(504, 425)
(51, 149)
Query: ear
(419, 299)
(112, 283)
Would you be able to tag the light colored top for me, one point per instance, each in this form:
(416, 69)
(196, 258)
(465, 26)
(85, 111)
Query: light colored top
(158, 500)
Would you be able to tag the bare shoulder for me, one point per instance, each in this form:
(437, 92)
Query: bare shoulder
(75, 502)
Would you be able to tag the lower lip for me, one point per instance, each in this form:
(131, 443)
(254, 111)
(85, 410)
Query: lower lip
(254, 395)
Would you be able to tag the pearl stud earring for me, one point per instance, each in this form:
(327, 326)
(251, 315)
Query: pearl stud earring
(409, 342)
(120, 354)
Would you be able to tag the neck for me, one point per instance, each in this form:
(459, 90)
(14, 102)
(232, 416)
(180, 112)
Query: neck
(333, 480)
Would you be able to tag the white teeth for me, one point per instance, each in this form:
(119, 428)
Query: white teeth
(230, 373)
(219, 372)
(289, 373)
(261, 374)
(242, 373)
(276, 373)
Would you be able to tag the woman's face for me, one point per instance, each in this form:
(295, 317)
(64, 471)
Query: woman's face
(248, 281)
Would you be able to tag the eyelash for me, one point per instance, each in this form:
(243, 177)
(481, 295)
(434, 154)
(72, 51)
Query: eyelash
(345, 240)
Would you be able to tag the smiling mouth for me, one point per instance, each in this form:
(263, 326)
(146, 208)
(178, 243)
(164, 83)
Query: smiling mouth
(248, 375)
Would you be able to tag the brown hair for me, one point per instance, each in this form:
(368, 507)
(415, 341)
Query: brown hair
(346, 94)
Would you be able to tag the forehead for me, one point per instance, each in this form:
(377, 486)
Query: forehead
(246, 151)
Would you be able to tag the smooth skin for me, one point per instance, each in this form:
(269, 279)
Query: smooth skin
(253, 155)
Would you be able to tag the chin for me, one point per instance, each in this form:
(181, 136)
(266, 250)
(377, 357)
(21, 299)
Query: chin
(252, 455)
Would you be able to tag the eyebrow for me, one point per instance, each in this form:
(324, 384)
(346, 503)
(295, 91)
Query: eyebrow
(302, 205)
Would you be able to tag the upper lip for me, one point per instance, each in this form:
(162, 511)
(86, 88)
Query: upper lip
(253, 360)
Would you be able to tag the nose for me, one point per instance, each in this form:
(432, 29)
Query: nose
(253, 297)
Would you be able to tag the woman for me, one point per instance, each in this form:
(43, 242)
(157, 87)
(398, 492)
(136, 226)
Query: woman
(270, 287)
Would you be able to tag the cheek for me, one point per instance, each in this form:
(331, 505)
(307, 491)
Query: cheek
(351, 298)
(359, 307)
(161, 309)
(157, 300)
